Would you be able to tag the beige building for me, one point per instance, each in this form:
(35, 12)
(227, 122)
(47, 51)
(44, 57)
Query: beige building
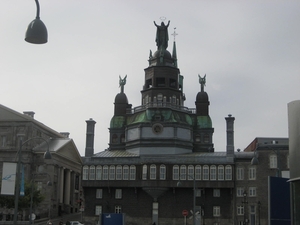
(63, 170)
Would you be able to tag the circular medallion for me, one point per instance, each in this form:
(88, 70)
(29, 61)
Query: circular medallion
(157, 128)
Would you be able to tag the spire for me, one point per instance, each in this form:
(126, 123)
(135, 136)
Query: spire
(174, 54)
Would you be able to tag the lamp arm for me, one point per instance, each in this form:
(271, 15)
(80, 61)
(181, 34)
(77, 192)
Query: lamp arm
(37, 9)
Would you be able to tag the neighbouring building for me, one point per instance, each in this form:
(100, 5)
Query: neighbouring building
(63, 170)
(161, 166)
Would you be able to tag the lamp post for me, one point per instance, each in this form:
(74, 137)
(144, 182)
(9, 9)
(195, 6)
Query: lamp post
(245, 202)
(47, 155)
(194, 198)
(36, 31)
(259, 205)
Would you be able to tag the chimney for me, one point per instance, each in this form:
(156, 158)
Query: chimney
(29, 113)
(230, 137)
(90, 133)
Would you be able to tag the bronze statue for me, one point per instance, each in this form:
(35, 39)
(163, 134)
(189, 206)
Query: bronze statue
(162, 36)
(202, 81)
(122, 83)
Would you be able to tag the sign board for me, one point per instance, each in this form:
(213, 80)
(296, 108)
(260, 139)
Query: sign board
(185, 212)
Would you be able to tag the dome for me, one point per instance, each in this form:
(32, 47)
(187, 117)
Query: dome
(204, 122)
(121, 98)
(202, 97)
(167, 54)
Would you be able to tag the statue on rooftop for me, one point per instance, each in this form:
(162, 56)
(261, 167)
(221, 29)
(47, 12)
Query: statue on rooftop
(162, 36)
(202, 81)
(122, 83)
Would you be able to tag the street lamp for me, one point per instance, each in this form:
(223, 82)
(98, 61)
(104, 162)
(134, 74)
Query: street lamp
(194, 198)
(47, 155)
(36, 31)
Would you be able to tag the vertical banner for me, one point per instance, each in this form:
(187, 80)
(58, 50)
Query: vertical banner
(8, 178)
(22, 183)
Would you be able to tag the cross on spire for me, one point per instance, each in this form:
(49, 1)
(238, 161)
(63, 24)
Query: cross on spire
(174, 33)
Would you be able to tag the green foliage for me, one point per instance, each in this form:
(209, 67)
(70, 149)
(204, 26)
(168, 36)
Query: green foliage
(24, 201)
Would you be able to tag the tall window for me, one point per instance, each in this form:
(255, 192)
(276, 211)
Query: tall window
(228, 172)
(273, 161)
(144, 172)
(217, 192)
(132, 172)
(98, 210)
(182, 172)
(119, 172)
(92, 173)
(252, 191)
(240, 173)
(252, 173)
(125, 172)
(98, 172)
(118, 194)
(105, 172)
(175, 172)
(240, 210)
(205, 172)
(216, 211)
(162, 172)
(99, 193)
(3, 144)
(152, 172)
(220, 172)
(198, 172)
(191, 175)
(85, 173)
(112, 170)
(213, 172)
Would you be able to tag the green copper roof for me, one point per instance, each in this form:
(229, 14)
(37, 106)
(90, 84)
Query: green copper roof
(204, 122)
(117, 122)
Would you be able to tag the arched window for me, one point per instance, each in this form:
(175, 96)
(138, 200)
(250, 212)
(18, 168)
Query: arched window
(85, 173)
(144, 172)
(98, 172)
(132, 172)
(213, 172)
(112, 171)
(183, 172)
(105, 172)
(152, 172)
(119, 172)
(198, 172)
(191, 174)
(220, 172)
(125, 172)
(175, 172)
(92, 173)
(205, 172)
(162, 172)
(228, 172)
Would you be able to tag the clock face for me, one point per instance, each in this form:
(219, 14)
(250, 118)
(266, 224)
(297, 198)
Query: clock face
(157, 128)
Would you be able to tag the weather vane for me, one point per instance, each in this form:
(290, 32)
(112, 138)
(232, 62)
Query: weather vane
(174, 33)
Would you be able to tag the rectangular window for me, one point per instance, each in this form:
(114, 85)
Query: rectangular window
(252, 191)
(240, 173)
(252, 173)
(118, 209)
(216, 211)
(240, 210)
(273, 161)
(99, 193)
(198, 192)
(3, 143)
(217, 192)
(118, 194)
(239, 191)
(98, 210)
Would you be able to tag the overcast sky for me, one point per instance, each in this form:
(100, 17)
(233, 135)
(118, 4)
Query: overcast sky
(249, 51)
